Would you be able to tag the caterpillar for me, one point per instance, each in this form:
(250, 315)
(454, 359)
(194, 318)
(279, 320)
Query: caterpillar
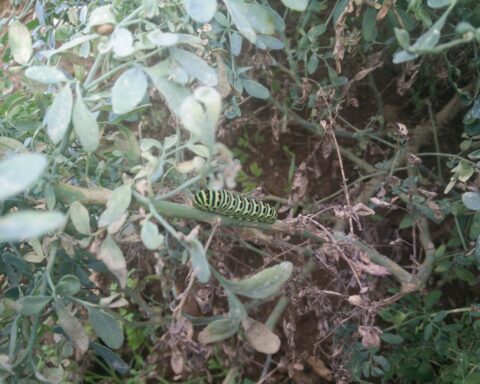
(230, 204)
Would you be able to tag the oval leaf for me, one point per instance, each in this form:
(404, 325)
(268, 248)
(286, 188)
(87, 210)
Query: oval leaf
(20, 42)
(218, 330)
(68, 285)
(151, 238)
(200, 10)
(112, 257)
(471, 200)
(117, 205)
(261, 20)
(199, 260)
(255, 89)
(129, 90)
(195, 66)
(85, 125)
(73, 328)
(199, 114)
(45, 74)
(260, 337)
(239, 18)
(296, 5)
(59, 114)
(106, 327)
(20, 172)
(80, 218)
(24, 225)
(263, 284)
(173, 93)
(31, 305)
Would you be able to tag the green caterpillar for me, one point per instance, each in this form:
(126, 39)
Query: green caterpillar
(233, 205)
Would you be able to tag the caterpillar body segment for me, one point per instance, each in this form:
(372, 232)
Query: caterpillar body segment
(233, 205)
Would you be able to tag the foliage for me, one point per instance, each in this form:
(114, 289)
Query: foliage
(86, 73)
(109, 109)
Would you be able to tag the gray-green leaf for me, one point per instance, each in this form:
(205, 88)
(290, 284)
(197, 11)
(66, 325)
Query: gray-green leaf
(173, 93)
(112, 257)
(239, 18)
(201, 11)
(20, 42)
(218, 330)
(471, 200)
(150, 235)
(80, 218)
(199, 260)
(24, 225)
(45, 74)
(73, 328)
(85, 125)
(20, 172)
(106, 327)
(259, 18)
(255, 89)
(129, 90)
(117, 205)
(68, 285)
(31, 305)
(263, 284)
(200, 112)
(59, 114)
(296, 5)
(195, 66)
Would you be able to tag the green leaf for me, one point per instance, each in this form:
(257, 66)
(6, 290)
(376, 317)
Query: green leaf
(59, 114)
(403, 56)
(73, 328)
(235, 43)
(117, 205)
(390, 338)
(239, 18)
(111, 358)
(122, 42)
(68, 285)
(20, 42)
(80, 218)
(432, 298)
(255, 89)
(201, 11)
(369, 24)
(236, 310)
(296, 5)
(259, 18)
(430, 38)
(85, 125)
(475, 155)
(31, 305)
(438, 3)
(150, 8)
(20, 172)
(195, 66)
(263, 284)
(163, 39)
(45, 74)
(129, 90)
(471, 200)
(112, 257)
(24, 225)
(106, 327)
(312, 64)
(150, 235)
(218, 330)
(403, 38)
(199, 260)
(101, 15)
(173, 93)
(199, 114)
